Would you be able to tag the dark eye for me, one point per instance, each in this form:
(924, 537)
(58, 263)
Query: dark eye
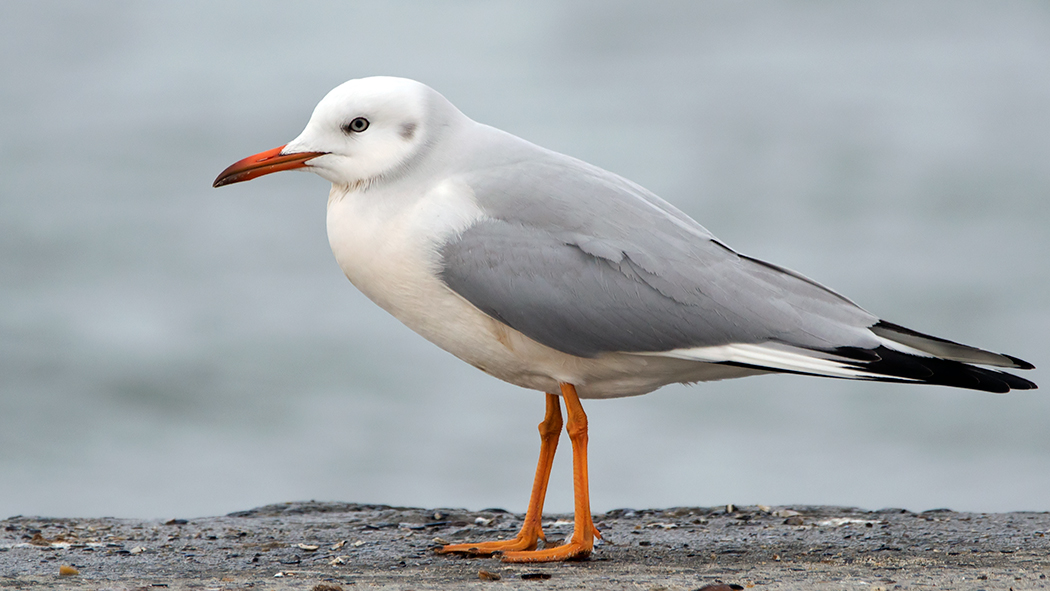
(356, 126)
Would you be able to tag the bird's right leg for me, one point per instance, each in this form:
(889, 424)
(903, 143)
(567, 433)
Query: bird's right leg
(532, 530)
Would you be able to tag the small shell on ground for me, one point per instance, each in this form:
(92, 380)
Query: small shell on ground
(485, 575)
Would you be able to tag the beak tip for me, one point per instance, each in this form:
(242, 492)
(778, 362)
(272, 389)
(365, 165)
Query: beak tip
(227, 177)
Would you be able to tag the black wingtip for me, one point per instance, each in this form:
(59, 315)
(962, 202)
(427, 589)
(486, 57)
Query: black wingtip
(944, 348)
(897, 366)
(1019, 363)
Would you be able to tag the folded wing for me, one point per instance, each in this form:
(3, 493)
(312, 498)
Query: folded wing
(600, 265)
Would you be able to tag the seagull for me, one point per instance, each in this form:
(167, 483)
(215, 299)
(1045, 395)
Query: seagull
(558, 276)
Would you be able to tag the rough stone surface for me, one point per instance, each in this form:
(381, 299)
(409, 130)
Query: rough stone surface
(331, 546)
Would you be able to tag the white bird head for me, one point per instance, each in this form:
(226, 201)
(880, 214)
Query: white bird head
(361, 131)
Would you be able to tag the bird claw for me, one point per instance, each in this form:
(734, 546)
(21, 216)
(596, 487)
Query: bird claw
(480, 549)
(574, 550)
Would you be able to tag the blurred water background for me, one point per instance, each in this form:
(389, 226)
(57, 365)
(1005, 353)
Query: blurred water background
(167, 349)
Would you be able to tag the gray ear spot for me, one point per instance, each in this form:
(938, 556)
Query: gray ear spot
(408, 130)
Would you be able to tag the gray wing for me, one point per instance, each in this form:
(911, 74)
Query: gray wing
(586, 262)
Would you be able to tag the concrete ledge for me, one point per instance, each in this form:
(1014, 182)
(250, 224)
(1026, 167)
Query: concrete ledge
(349, 546)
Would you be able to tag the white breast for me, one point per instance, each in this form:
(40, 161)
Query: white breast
(387, 242)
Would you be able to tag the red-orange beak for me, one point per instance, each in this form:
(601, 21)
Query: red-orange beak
(263, 163)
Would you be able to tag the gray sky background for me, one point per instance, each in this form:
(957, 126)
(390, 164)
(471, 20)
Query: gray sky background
(171, 350)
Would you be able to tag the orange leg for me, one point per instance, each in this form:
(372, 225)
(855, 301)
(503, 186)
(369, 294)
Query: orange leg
(582, 541)
(532, 529)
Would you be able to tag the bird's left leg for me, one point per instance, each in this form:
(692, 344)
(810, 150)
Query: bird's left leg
(532, 530)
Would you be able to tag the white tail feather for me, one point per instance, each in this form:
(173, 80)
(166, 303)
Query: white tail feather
(772, 357)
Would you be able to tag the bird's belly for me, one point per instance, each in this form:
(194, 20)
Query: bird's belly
(390, 253)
